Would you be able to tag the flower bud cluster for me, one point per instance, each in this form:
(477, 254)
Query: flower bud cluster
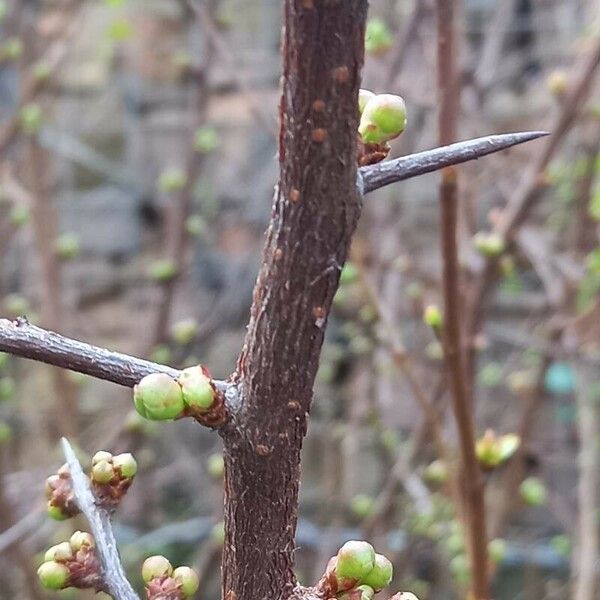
(111, 477)
(165, 583)
(71, 564)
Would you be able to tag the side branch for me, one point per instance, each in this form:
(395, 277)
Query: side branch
(113, 574)
(373, 177)
(25, 340)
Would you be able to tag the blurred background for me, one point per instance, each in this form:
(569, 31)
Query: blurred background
(137, 163)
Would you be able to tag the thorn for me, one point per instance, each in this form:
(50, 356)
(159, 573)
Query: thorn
(375, 176)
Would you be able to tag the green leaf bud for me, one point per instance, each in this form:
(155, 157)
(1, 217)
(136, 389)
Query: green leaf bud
(436, 472)
(19, 215)
(8, 388)
(60, 553)
(362, 505)
(154, 567)
(355, 560)
(196, 225)
(161, 354)
(15, 305)
(158, 397)
(11, 49)
(497, 550)
(198, 391)
(53, 575)
(216, 465)
(41, 71)
(383, 119)
(188, 580)
(162, 270)
(433, 317)
(184, 331)
(172, 180)
(489, 244)
(533, 491)
(378, 37)
(206, 139)
(349, 274)
(31, 117)
(81, 539)
(125, 464)
(381, 574)
(67, 246)
(102, 472)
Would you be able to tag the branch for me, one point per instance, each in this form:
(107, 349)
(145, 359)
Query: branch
(112, 570)
(373, 177)
(25, 340)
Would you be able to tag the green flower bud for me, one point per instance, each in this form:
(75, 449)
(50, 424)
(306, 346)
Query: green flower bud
(161, 354)
(383, 119)
(19, 215)
(434, 351)
(381, 574)
(126, 465)
(31, 117)
(60, 553)
(363, 97)
(102, 472)
(362, 505)
(557, 82)
(184, 331)
(154, 567)
(362, 592)
(436, 472)
(378, 37)
(67, 246)
(533, 491)
(355, 560)
(488, 243)
(497, 550)
(459, 567)
(53, 575)
(216, 465)
(8, 388)
(101, 455)
(349, 274)
(41, 71)
(187, 579)
(11, 49)
(162, 270)
(15, 305)
(158, 397)
(561, 544)
(197, 389)
(433, 317)
(172, 180)
(56, 513)
(196, 225)
(81, 539)
(206, 139)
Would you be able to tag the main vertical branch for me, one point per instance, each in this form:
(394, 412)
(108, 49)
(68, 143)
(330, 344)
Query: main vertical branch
(315, 211)
(471, 483)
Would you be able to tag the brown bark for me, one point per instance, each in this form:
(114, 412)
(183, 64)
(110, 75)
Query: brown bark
(315, 211)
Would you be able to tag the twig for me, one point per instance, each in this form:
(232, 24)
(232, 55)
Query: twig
(113, 574)
(470, 478)
(20, 529)
(374, 177)
(587, 489)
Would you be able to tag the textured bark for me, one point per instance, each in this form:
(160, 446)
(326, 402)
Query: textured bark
(315, 211)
